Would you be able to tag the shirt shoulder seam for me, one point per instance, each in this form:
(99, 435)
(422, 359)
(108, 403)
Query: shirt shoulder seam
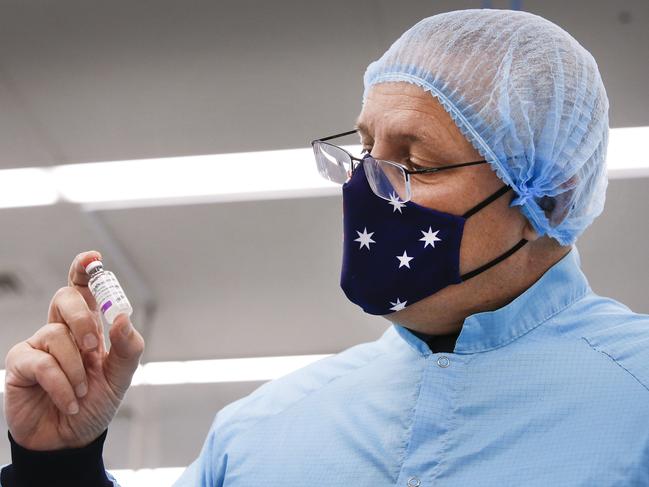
(603, 352)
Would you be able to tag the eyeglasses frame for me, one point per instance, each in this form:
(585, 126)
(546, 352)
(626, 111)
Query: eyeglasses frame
(406, 171)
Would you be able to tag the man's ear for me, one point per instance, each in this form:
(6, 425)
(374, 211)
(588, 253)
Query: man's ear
(529, 233)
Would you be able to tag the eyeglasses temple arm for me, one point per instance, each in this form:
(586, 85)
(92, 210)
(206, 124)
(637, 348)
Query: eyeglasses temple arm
(436, 169)
(334, 136)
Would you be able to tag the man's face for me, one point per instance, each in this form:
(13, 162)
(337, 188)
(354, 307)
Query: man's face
(403, 123)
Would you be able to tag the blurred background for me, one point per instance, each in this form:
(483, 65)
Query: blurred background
(243, 261)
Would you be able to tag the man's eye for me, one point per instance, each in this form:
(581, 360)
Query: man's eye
(407, 162)
(413, 166)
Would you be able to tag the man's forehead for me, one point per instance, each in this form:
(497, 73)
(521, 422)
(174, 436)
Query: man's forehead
(400, 96)
(405, 113)
(398, 129)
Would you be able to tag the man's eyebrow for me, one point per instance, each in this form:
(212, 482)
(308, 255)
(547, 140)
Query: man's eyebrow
(362, 128)
(410, 137)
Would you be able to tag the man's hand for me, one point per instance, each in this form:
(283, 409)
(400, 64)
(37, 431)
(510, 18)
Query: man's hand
(62, 388)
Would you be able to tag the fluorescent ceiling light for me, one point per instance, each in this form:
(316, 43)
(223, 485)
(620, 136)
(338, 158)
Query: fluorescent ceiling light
(146, 477)
(627, 156)
(246, 176)
(194, 179)
(29, 186)
(215, 371)
(220, 370)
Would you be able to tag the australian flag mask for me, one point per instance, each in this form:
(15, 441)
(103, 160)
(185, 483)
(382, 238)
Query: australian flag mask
(395, 253)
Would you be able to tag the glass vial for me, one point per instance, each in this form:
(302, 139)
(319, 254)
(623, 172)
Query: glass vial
(109, 295)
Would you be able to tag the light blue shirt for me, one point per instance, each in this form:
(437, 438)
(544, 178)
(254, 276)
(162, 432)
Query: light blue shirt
(549, 390)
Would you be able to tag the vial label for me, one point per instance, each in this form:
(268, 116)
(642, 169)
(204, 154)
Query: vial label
(107, 292)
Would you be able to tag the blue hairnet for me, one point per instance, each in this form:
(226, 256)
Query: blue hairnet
(526, 95)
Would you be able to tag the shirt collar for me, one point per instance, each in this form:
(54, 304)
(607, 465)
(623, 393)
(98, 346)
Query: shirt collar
(559, 287)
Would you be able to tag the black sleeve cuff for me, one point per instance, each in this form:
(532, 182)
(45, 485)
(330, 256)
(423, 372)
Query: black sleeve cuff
(71, 467)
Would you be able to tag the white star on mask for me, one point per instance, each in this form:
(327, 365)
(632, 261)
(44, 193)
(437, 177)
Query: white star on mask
(398, 305)
(394, 201)
(364, 238)
(404, 260)
(430, 237)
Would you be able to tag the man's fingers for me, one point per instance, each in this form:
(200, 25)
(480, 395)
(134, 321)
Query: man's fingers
(127, 346)
(69, 307)
(30, 367)
(55, 339)
(78, 278)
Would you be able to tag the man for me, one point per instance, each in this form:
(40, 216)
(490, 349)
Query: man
(485, 133)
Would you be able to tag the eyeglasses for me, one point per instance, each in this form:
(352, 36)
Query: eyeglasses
(389, 180)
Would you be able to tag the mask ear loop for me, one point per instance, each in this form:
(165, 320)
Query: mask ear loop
(477, 271)
(484, 203)
(473, 211)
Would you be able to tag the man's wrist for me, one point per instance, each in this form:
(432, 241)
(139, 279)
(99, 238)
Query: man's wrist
(70, 467)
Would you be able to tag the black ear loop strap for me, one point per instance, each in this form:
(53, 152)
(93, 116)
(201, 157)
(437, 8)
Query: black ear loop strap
(491, 198)
(474, 210)
(477, 271)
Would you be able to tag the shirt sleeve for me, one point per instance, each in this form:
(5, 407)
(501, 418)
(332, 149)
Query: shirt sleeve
(209, 468)
(71, 467)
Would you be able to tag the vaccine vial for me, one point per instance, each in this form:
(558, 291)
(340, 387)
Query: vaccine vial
(107, 291)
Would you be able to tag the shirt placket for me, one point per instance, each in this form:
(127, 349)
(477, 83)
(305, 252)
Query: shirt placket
(433, 416)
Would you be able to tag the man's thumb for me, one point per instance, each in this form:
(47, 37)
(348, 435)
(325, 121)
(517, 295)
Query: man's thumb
(126, 347)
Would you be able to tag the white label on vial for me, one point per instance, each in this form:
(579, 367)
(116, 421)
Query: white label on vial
(107, 291)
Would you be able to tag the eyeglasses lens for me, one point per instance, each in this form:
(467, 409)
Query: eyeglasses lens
(386, 180)
(333, 163)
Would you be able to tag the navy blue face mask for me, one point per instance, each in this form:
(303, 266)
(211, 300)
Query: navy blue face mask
(395, 254)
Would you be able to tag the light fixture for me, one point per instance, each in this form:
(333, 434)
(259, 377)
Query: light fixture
(626, 156)
(215, 371)
(193, 179)
(289, 173)
(146, 477)
(220, 370)
(30, 186)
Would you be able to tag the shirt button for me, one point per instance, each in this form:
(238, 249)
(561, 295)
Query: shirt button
(443, 361)
(413, 482)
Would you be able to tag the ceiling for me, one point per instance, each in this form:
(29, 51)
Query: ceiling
(84, 81)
